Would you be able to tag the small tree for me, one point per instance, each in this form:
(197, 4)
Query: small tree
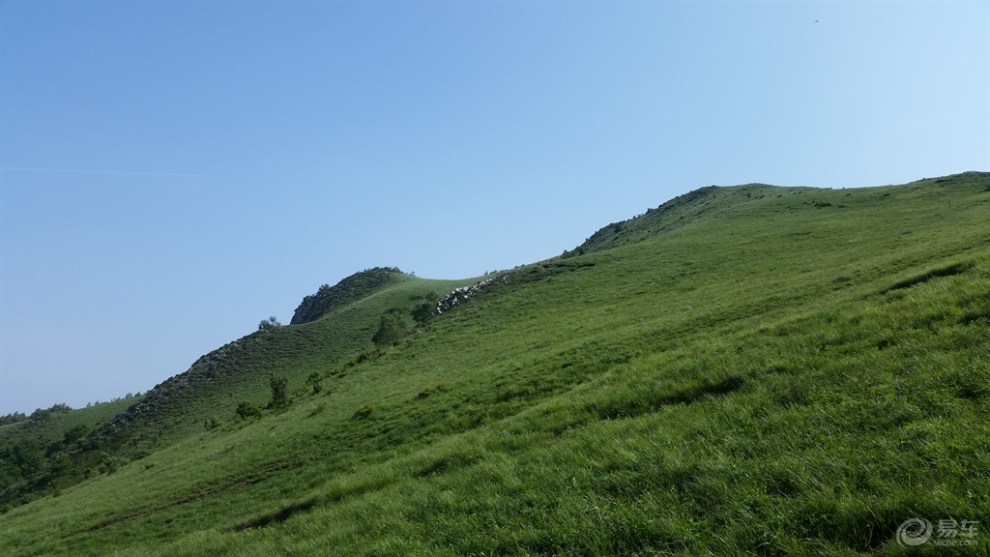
(363, 413)
(280, 393)
(391, 328)
(422, 311)
(314, 381)
(40, 416)
(109, 462)
(246, 410)
(74, 434)
(28, 459)
(269, 324)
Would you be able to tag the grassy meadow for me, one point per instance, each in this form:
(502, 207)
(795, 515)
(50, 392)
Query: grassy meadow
(743, 371)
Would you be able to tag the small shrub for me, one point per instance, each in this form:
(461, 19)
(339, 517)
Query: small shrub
(246, 411)
(422, 312)
(314, 381)
(74, 434)
(280, 391)
(429, 391)
(364, 412)
(391, 328)
(318, 409)
(109, 463)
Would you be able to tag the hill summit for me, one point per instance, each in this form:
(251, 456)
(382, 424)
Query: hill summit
(353, 288)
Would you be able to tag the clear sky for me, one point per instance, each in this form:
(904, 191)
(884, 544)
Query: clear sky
(171, 173)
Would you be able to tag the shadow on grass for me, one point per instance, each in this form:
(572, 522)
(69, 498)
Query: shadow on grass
(277, 517)
(618, 409)
(946, 271)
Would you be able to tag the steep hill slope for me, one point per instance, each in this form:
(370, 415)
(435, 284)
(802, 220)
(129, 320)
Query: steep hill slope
(239, 371)
(207, 394)
(793, 373)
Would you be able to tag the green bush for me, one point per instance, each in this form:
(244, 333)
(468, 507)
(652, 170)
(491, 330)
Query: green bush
(280, 392)
(364, 412)
(314, 381)
(391, 328)
(423, 311)
(246, 410)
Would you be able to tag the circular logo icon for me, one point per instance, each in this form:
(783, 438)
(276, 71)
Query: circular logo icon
(914, 531)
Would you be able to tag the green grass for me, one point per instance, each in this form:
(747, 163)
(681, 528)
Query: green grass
(781, 372)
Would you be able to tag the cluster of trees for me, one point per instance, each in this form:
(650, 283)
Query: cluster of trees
(116, 399)
(36, 417)
(43, 414)
(394, 323)
(46, 453)
(13, 418)
(36, 459)
(269, 324)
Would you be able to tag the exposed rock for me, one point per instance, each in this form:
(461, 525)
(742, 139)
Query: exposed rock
(460, 295)
(528, 273)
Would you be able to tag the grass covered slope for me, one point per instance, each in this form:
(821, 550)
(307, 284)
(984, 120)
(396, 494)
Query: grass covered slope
(207, 395)
(795, 371)
(239, 371)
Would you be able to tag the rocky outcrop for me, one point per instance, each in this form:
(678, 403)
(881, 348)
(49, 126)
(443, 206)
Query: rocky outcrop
(461, 295)
(174, 391)
(528, 273)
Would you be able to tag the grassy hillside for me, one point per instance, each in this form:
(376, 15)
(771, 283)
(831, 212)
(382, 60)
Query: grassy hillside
(750, 370)
(27, 445)
(207, 395)
(239, 371)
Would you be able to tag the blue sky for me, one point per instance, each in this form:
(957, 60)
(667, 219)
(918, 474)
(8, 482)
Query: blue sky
(171, 173)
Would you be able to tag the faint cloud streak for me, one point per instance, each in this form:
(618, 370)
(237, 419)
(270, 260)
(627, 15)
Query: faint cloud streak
(114, 172)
